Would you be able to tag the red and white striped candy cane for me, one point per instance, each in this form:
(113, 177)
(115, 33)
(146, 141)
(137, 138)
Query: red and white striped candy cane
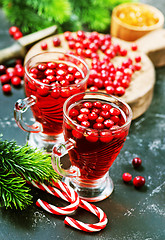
(88, 227)
(66, 193)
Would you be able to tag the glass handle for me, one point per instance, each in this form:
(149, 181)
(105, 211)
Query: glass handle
(21, 106)
(59, 150)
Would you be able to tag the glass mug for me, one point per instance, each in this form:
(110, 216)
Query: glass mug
(94, 136)
(50, 78)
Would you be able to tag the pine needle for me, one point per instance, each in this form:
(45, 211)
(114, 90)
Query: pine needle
(18, 164)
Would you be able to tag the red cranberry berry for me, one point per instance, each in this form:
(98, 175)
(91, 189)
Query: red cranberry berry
(136, 162)
(6, 88)
(2, 69)
(127, 177)
(44, 46)
(13, 30)
(56, 41)
(4, 79)
(134, 47)
(139, 181)
(17, 35)
(16, 81)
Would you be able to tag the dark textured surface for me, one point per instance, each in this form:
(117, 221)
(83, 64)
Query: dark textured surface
(133, 214)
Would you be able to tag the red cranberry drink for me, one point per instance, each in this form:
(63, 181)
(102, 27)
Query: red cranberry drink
(50, 78)
(95, 129)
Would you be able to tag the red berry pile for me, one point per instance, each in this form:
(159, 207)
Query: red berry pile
(104, 75)
(15, 32)
(56, 76)
(138, 181)
(97, 116)
(11, 76)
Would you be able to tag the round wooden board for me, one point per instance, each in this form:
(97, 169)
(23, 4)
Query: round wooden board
(140, 92)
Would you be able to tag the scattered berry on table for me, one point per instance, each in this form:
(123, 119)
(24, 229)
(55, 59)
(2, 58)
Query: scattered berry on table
(138, 181)
(136, 162)
(127, 177)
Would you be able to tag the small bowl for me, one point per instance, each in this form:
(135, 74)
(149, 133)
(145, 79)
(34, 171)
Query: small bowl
(128, 31)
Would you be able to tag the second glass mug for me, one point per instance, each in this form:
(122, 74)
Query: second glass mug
(92, 142)
(45, 96)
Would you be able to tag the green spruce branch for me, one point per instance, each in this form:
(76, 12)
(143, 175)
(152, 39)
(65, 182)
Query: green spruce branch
(68, 15)
(18, 164)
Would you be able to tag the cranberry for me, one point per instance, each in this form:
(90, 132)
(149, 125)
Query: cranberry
(61, 72)
(115, 119)
(137, 67)
(123, 52)
(44, 46)
(92, 136)
(105, 114)
(56, 41)
(71, 69)
(110, 89)
(69, 77)
(51, 78)
(19, 71)
(64, 83)
(127, 177)
(136, 162)
(65, 92)
(77, 134)
(51, 65)
(138, 58)
(16, 81)
(84, 111)
(106, 136)
(4, 79)
(138, 181)
(77, 74)
(6, 88)
(73, 112)
(87, 105)
(82, 117)
(93, 89)
(98, 126)
(13, 30)
(85, 123)
(100, 119)
(2, 69)
(81, 34)
(17, 35)
(42, 66)
(120, 91)
(43, 91)
(106, 107)
(55, 93)
(108, 123)
(45, 81)
(114, 111)
(97, 104)
(134, 47)
(49, 72)
(92, 116)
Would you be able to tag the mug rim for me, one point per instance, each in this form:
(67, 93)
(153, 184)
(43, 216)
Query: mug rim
(128, 120)
(60, 52)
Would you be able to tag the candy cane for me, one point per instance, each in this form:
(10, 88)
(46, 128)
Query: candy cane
(68, 194)
(65, 194)
(88, 227)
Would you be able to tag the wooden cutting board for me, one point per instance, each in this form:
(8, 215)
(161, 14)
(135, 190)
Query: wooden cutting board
(140, 92)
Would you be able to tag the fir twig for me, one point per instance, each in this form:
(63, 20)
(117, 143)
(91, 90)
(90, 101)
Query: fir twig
(18, 164)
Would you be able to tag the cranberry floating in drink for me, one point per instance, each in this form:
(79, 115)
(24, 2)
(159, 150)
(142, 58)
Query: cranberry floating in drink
(50, 78)
(95, 127)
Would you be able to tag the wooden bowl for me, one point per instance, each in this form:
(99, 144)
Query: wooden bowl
(128, 31)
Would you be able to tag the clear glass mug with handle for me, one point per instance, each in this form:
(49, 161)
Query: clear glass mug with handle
(50, 78)
(95, 127)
